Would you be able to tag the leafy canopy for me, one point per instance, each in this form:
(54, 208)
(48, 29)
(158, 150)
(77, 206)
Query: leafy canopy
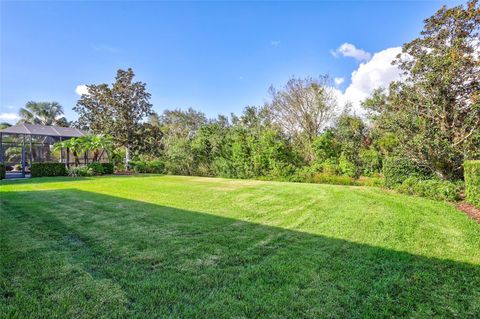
(118, 110)
(434, 112)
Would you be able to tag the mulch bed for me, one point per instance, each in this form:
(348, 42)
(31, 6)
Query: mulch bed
(123, 173)
(470, 210)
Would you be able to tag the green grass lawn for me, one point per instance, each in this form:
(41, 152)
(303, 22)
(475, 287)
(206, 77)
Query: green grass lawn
(183, 247)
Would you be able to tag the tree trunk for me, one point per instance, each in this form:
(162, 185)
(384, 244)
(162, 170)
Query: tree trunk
(77, 160)
(127, 157)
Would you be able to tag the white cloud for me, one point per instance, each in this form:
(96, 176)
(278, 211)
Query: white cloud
(376, 73)
(350, 50)
(9, 117)
(275, 43)
(338, 81)
(81, 89)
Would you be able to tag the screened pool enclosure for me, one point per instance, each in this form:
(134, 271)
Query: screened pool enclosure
(23, 144)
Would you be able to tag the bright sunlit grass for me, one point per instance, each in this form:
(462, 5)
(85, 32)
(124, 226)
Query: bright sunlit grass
(164, 246)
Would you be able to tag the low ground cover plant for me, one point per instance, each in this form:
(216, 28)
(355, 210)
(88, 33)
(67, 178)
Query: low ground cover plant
(79, 171)
(96, 168)
(91, 169)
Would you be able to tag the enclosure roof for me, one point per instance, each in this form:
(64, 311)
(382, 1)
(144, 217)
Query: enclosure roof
(35, 129)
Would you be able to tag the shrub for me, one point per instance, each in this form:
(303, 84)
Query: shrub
(322, 178)
(107, 168)
(472, 181)
(432, 188)
(398, 169)
(346, 167)
(371, 161)
(371, 181)
(304, 174)
(96, 168)
(330, 167)
(79, 171)
(2, 171)
(155, 166)
(48, 169)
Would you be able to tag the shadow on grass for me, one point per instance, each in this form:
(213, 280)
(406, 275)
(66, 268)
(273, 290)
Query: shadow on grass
(57, 179)
(42, 180)
(75, 253)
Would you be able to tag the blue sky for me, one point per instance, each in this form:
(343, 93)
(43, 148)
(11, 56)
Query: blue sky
(217, 57)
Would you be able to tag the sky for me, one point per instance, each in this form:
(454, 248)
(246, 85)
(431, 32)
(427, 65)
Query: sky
(216, 57)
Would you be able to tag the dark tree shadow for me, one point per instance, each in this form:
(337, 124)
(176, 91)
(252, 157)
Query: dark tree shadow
(71, 252)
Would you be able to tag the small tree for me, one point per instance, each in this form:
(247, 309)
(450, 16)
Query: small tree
(74, 145)
(97, 144)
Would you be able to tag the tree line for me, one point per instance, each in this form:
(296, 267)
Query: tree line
(430, 118)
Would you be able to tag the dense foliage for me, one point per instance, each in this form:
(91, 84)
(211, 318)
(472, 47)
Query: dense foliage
(2, 171)
(397, 169)
(434, 111)
(48, 169)
(472, 181)
(108, 168)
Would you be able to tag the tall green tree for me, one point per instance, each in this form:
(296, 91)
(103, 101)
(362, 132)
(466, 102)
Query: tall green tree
(117, 110)
(434, 112)
(43, 113)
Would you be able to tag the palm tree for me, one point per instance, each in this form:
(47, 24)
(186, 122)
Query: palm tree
(4, 125)
(94, 143)
(74, 144)
(97, 144)
(44, 113)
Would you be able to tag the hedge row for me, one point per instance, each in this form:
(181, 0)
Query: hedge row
(2, 171)
(48, 169)
(472, 181)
